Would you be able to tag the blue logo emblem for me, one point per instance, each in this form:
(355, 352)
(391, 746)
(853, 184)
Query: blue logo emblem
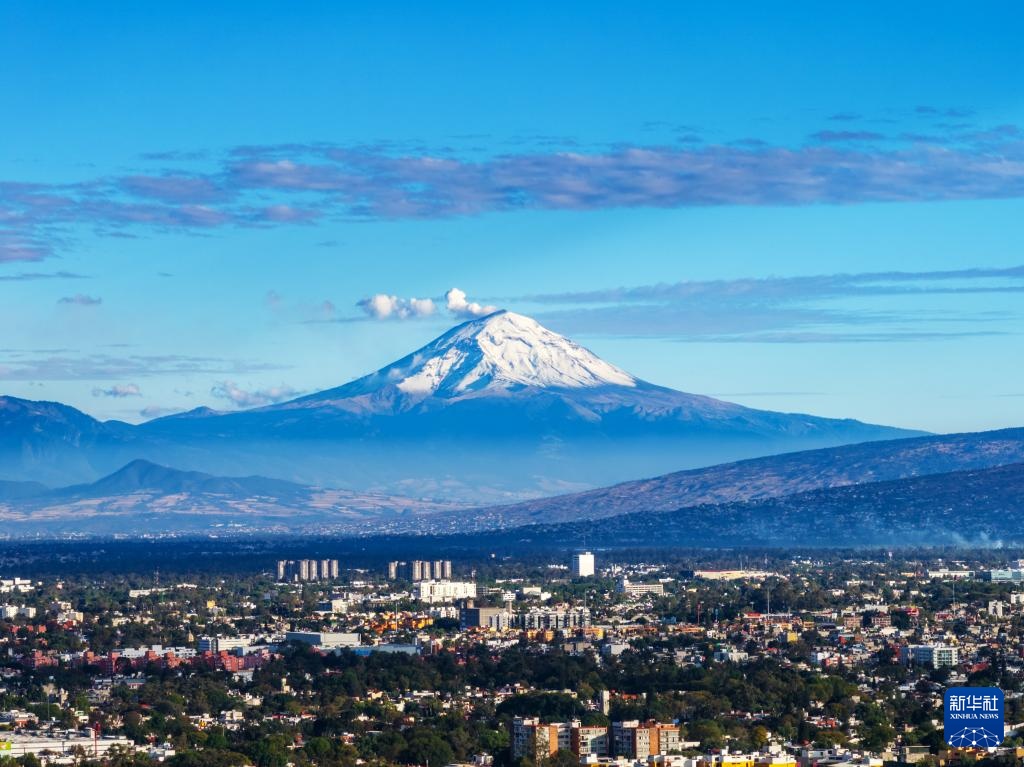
(974, 717)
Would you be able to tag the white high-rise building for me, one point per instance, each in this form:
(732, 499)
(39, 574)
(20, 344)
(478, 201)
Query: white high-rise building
(582, 564)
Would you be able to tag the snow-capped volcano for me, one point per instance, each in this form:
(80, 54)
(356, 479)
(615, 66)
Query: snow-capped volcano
(499, 353)
(498, 408)
(502, 351)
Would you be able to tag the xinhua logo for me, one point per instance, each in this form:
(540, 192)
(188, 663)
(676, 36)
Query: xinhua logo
(974, 717)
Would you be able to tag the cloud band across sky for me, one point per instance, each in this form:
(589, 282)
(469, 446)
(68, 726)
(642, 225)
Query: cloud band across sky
(306, 183)
(839, 308)
(848, 307)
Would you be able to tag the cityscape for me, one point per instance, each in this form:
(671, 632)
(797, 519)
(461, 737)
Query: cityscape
(461, 384)
(823, 658)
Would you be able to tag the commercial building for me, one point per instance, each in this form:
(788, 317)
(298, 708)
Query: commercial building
(934, 655)
(730, 575)
(490, 618)
(224, 644)
(334, 605)
(327, 640)
(553, 619)
(638, 589)
(1014, 575)
(433, 592)
(51, 747)
(582, 564)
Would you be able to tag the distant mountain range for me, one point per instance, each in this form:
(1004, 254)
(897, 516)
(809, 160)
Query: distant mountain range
(144, 499)
(497, 409)
(964, 508)
(925, 489)
(773, 476)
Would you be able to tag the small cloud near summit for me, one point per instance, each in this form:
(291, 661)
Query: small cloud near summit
(383, 306)
(458, 305)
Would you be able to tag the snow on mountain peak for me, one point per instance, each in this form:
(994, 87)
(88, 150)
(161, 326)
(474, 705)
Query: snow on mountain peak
(503, 350)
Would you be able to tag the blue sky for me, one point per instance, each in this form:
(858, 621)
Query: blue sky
(788, 208)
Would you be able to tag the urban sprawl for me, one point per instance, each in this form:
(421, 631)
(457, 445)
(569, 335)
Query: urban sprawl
(592, 659)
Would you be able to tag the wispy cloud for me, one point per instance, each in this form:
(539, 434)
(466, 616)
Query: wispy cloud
(35, 276)
(808, 309)
(81, 299)
(156, 411)
(65, 365)
(846, 135)
(932, 111)
(273, 300)
(302, 183)
(118, 391)
(25, 244)
(244, 398)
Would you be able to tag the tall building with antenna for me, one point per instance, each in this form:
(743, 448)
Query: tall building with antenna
(582, 564)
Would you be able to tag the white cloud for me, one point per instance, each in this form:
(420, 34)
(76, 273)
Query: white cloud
(240, 397)
(460, 307)
(119, 391)
(383, 307)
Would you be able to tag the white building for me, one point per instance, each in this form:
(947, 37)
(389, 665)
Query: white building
(433, 592)
(730, 655)
(639, 589)
(12, 611)
(15, 744)
(328, 640)
(8, 585)
(554, 619)
(225, 644)
(582, 564)
(934, 655)
(335, 605)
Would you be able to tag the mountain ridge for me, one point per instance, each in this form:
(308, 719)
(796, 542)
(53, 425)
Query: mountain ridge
(772, 476)
(143, 498)
(978, 507)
